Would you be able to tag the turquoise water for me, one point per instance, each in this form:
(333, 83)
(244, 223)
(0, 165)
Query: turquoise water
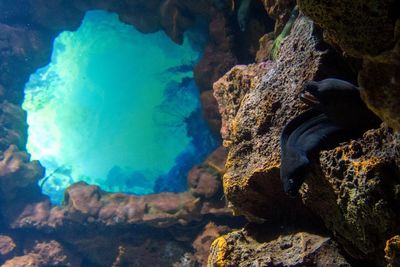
(111, 108)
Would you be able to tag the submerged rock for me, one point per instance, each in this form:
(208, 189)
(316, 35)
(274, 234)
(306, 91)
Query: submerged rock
(48, 253)
(255, 103)
(203, 241)
(392, 251)
(255, 248)
(368, 30)
(7, 248)
(358, 182)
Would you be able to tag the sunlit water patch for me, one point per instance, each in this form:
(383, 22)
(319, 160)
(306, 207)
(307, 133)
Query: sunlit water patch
(116, 108)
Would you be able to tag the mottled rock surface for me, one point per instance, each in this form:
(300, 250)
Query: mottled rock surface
(203, 241)
(380, 81)
(13, 126)
(369, 30)
(358, 182)
(17, 173)
(255, 103)
(256, 248)
(7, 248)
(279, 10)
(392, 251)
(50, 253)
(359, 27)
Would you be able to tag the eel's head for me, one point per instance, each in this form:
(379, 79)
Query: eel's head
(330, 94)
(293, 172)
(309, 95)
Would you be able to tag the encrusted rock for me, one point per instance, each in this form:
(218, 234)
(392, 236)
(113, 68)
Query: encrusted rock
(255, 103)
(370, 30)
(280, 11)
(203, 241)
(22, 51)
(359, 27)
(17, 172)
(392, 251)
(209, 107)
(13, 126)
(50, 253)
(358, 182)
(380, 82)
(249, 248)
(203, 183)
(89, 204)
(265, 49)
(7, 248)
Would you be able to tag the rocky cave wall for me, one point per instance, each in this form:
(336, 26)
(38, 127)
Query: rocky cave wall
(352, 188)
(93, 227)
(347, 211)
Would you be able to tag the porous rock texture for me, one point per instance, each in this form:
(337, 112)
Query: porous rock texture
(392, 251)
(47, 253)
(359, 183)
(259, 247)
(7, 248)
(279, 10)
(167, 220)
(203, 241)
(368, 30)
(353, 188)
(255, 103)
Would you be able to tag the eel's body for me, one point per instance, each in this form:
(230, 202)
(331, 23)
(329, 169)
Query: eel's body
(337, 113)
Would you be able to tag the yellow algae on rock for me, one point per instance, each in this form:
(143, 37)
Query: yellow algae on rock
(392, 251)
(218, 252)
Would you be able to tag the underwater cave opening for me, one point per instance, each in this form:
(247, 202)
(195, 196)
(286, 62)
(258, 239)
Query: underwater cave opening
(116, 108)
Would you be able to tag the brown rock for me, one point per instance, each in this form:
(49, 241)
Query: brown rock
(358, 182)
(45, 254)
(203, 183)
(83, 200)
(216, 161)
(89, 204)
(153, 253)
(209, 106)
(380, 83)
(16, 172)
(7, 247)
(266, 44)
(255, 103)
(392, 251)
(249, 248)
(45, 14)
(23, 50)
(219, 55)
(13, 126)
(359, 27)
(280, 11)
(203, 241)
(369, 30)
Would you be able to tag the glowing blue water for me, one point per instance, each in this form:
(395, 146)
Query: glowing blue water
(113, 108)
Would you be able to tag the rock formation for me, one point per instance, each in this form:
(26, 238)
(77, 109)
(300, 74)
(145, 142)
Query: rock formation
(347, 210)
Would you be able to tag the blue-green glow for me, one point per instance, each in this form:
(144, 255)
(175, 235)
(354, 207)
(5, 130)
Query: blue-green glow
(96, 107)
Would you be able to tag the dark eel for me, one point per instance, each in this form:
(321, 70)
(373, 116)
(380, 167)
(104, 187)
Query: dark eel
(337, 113)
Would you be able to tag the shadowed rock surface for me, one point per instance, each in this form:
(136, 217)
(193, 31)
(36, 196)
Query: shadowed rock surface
(368, 30)
(357, 182)
(259, 247)
(255, 102)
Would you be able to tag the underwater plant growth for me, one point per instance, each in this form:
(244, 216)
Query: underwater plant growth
(116, 108)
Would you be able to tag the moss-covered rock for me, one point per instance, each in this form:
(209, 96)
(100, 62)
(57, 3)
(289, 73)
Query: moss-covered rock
(358, 182)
